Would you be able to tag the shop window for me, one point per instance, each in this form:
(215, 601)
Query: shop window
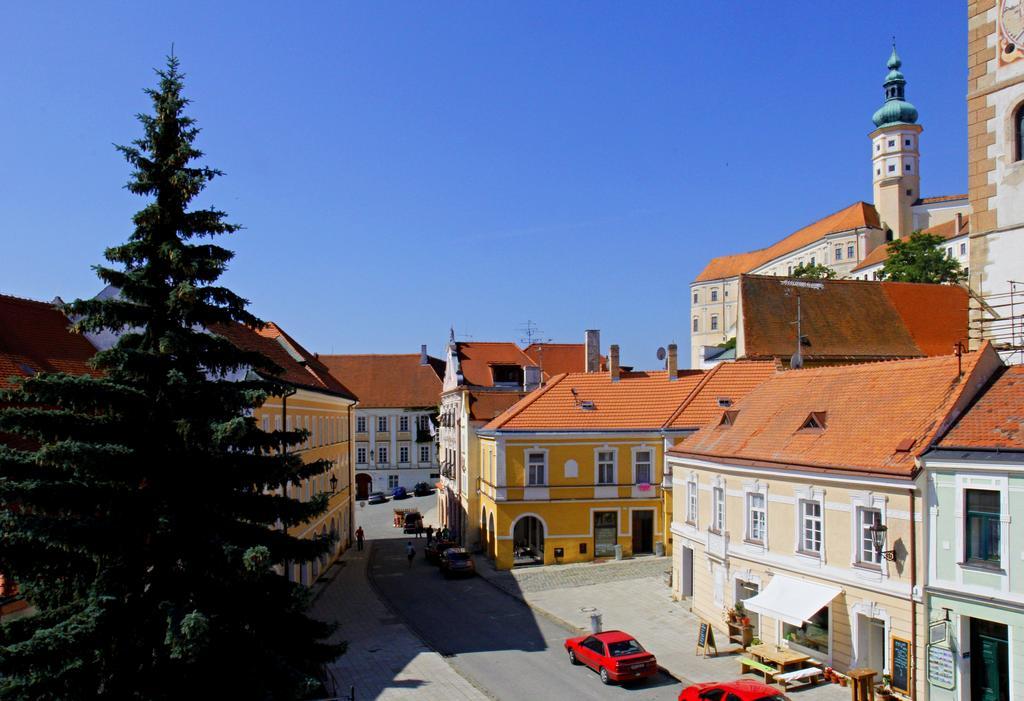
(812, 635)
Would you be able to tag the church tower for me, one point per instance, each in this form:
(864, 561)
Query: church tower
(894, 154)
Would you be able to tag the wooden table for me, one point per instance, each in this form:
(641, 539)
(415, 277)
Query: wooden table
(783, 658)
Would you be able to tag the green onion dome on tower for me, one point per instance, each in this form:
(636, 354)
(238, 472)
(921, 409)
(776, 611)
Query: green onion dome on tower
(896, 110)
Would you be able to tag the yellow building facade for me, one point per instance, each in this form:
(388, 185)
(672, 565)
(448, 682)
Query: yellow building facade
(571, 497)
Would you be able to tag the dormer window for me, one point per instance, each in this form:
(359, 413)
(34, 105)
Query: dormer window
(507, 375)
(815, 421)
(729, 417)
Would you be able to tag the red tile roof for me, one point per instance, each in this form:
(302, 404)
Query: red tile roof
(996, 420)
(476, 359)
(940, 198)
(856, 216)
(726, 382)
(880, 253)
(299, 367)
(850, 319)
(878, 416)
(389, 381)
(557, 358)
(639, 400)
(35, 337)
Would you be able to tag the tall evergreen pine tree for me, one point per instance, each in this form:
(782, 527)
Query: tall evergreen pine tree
(140, 510)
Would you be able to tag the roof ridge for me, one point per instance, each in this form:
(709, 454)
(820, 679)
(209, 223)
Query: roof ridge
(28, 300)
(518, 408)
(693, 393)
(373, 355)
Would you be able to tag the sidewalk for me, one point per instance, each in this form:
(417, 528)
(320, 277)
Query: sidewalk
(384, 659)
(631, 595)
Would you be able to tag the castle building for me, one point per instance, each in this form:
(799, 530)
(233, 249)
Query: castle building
(843, 240)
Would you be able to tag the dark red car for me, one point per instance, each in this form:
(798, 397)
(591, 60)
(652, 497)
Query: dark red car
(615, 655)
(739, 690)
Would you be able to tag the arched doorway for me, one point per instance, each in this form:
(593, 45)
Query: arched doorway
(528, 541)
(364, 483)
(492, 541)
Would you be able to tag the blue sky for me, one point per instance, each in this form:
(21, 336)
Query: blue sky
(401, 167)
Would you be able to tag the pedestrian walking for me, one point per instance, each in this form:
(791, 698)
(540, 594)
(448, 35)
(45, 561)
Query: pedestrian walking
(445, 534)
(430, 533)
(410, 552)
(359, 538)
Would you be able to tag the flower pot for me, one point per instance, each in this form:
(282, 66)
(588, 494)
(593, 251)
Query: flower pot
(745, 622)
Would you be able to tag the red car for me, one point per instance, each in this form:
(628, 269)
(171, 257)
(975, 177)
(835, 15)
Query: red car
(739, 690)
(615, 655)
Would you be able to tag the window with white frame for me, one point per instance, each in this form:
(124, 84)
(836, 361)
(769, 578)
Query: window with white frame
(403, 454)
(360, 424)
(536, 469)
(606, 467)
(424, 453)
(849, 251)
(757, 518)
(718, 509)
(382, 455)
(810, 526)
(361, 455)
(963, 249)
(642, 466)
(866, 552)
(714, 322)
(839, 252)
(403, 423)
(714, 294)
(691, 501)
(392, 481)
(382, 424)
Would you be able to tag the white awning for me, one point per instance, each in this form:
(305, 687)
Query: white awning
(791, 600)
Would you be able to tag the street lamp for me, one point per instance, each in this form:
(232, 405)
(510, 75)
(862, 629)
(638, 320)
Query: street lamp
(334, 483)
(878, 532)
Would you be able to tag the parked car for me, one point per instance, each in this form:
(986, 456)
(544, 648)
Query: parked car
(432, 552)
(422, 489)
(413, 522)
(457, 562)
(615, 655)
(377, 498)
(399, 493)
(741, 690)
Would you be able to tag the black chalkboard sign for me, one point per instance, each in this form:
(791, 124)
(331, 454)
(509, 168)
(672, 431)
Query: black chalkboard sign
(706, 638)
(900, 668)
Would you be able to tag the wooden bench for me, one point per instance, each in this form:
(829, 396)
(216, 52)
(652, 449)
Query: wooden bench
(747, 664)
(807, 675)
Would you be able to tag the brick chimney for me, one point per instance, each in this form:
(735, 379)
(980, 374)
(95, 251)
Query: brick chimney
(613, 362)
(424, 360)
(592, 347)
(673, 362)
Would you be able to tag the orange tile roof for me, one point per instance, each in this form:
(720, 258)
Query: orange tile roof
(878, 416)
(557, 358)
(639, 400)
(484, 405)
(35, 337)
(850, 319)
(726, 381)
(856, 216)
(389, 381)
(936, 316)
(996, 420)
(880, 253)
(941, 198)
(307, 371)
(477, 357)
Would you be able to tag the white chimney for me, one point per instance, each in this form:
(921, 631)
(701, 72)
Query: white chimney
(531, 378)
(673, 362)
(613, 362)
(592, 347)
(423, 355)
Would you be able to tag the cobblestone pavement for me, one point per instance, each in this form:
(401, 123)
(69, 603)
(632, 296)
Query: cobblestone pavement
(629, 598)
(384, 659)
(536, 579)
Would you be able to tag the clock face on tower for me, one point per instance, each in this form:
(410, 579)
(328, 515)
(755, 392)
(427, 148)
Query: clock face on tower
(1011, 31)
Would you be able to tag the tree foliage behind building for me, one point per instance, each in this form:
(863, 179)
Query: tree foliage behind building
(142, 510)
(813, 271)
(920, 258)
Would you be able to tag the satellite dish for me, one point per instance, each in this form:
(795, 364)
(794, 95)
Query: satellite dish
(661, 354)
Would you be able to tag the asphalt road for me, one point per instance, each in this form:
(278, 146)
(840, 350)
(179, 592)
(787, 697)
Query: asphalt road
(492, 639)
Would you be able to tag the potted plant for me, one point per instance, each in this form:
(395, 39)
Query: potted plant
(884, 692)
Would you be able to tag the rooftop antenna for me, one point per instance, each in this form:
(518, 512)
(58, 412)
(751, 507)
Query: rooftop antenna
(531, 335)
(797, 360)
